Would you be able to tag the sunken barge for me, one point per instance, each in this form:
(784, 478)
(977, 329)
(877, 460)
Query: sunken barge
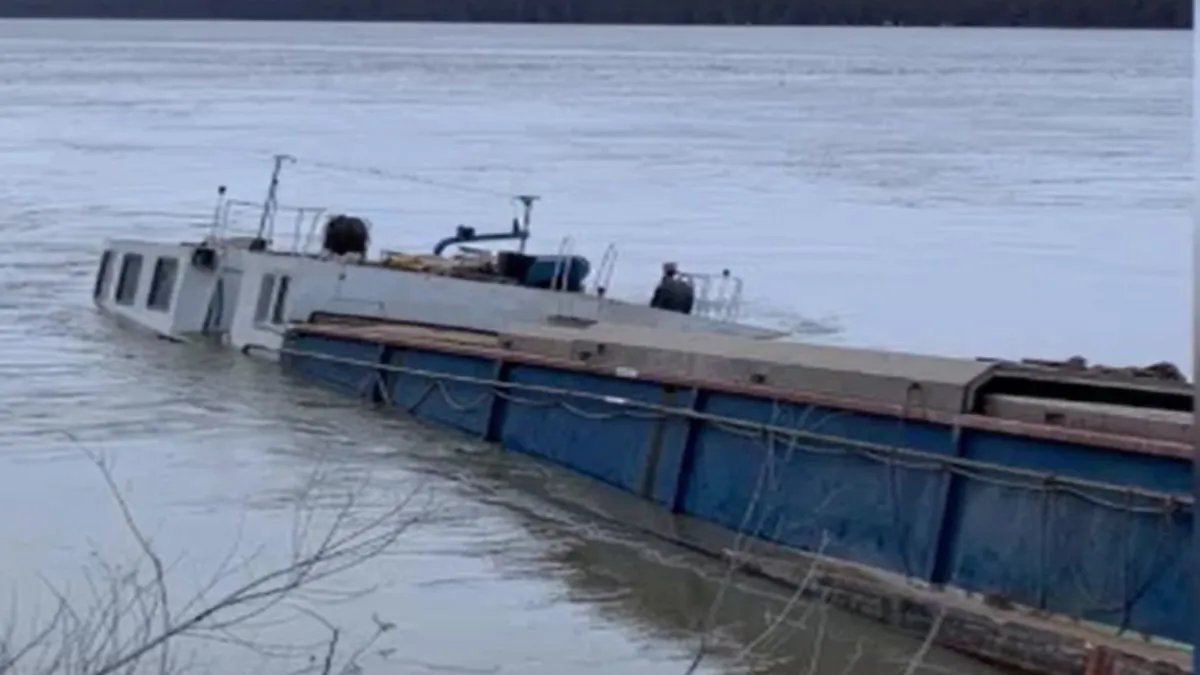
(1043, 512)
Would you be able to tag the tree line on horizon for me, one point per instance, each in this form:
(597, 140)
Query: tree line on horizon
(1046, 13)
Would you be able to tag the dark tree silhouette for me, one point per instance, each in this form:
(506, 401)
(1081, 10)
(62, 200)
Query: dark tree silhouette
(1061, 13)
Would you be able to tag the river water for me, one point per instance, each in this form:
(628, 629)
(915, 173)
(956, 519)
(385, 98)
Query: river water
(1001, 193)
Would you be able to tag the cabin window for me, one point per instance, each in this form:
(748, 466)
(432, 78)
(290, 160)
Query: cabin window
(266, 293)
(103, 276)
(281, 300)
(162, 286)
(127, 284)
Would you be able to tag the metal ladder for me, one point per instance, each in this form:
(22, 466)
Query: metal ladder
(604, 271)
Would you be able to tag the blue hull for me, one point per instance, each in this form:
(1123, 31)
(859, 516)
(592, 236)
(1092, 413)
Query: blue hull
(1078, 529)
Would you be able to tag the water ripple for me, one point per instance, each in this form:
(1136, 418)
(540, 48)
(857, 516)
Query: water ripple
(1013, 192)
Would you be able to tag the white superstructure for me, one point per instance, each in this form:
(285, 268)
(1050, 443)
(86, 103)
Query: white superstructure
(246, 290)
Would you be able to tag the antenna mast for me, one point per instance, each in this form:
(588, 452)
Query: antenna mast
(216, 221)
(527, 202)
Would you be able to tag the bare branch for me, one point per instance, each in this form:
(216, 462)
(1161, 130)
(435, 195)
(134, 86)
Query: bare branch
(819, 640)
(147, 549)
(934, 629)
(127, 623)
(11, 662)
(803, 588)
(858, 652)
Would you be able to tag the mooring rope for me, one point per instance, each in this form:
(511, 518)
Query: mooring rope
(408, 177)
(1048, 485)
(1014, 477)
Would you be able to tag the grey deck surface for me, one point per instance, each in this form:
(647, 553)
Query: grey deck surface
(911, 382)
(915, 380)
(1170, 425)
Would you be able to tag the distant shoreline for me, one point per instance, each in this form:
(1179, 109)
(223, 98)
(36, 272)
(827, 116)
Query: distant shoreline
(612, 24)
(1087, 14)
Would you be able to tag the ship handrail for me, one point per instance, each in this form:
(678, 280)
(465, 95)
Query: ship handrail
(229, 226)
(727, 289)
